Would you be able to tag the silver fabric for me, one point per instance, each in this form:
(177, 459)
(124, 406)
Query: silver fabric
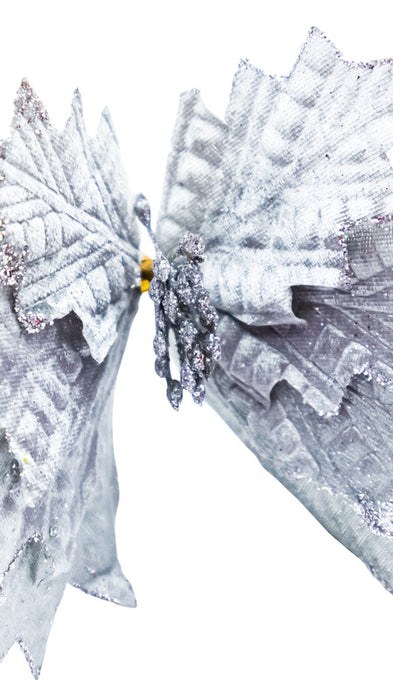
(293, 195)
(68, 218)
(70, 274)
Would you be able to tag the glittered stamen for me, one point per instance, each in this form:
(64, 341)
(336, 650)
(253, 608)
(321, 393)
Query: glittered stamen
(182, 305)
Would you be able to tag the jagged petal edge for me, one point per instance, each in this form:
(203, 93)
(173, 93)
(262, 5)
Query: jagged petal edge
(30, 106)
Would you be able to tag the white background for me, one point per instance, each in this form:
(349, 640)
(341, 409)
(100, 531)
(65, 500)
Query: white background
(241, 594)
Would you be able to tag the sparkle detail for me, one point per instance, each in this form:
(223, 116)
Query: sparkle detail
(182, 305)
(12, 269)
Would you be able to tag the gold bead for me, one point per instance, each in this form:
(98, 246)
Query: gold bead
(146, 273)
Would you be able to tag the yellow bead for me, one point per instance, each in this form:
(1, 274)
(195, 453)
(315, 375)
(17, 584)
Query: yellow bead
(146, 273)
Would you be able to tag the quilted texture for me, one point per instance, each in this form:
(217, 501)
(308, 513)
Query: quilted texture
(293, 196)
(68, 215)
(71, 288)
